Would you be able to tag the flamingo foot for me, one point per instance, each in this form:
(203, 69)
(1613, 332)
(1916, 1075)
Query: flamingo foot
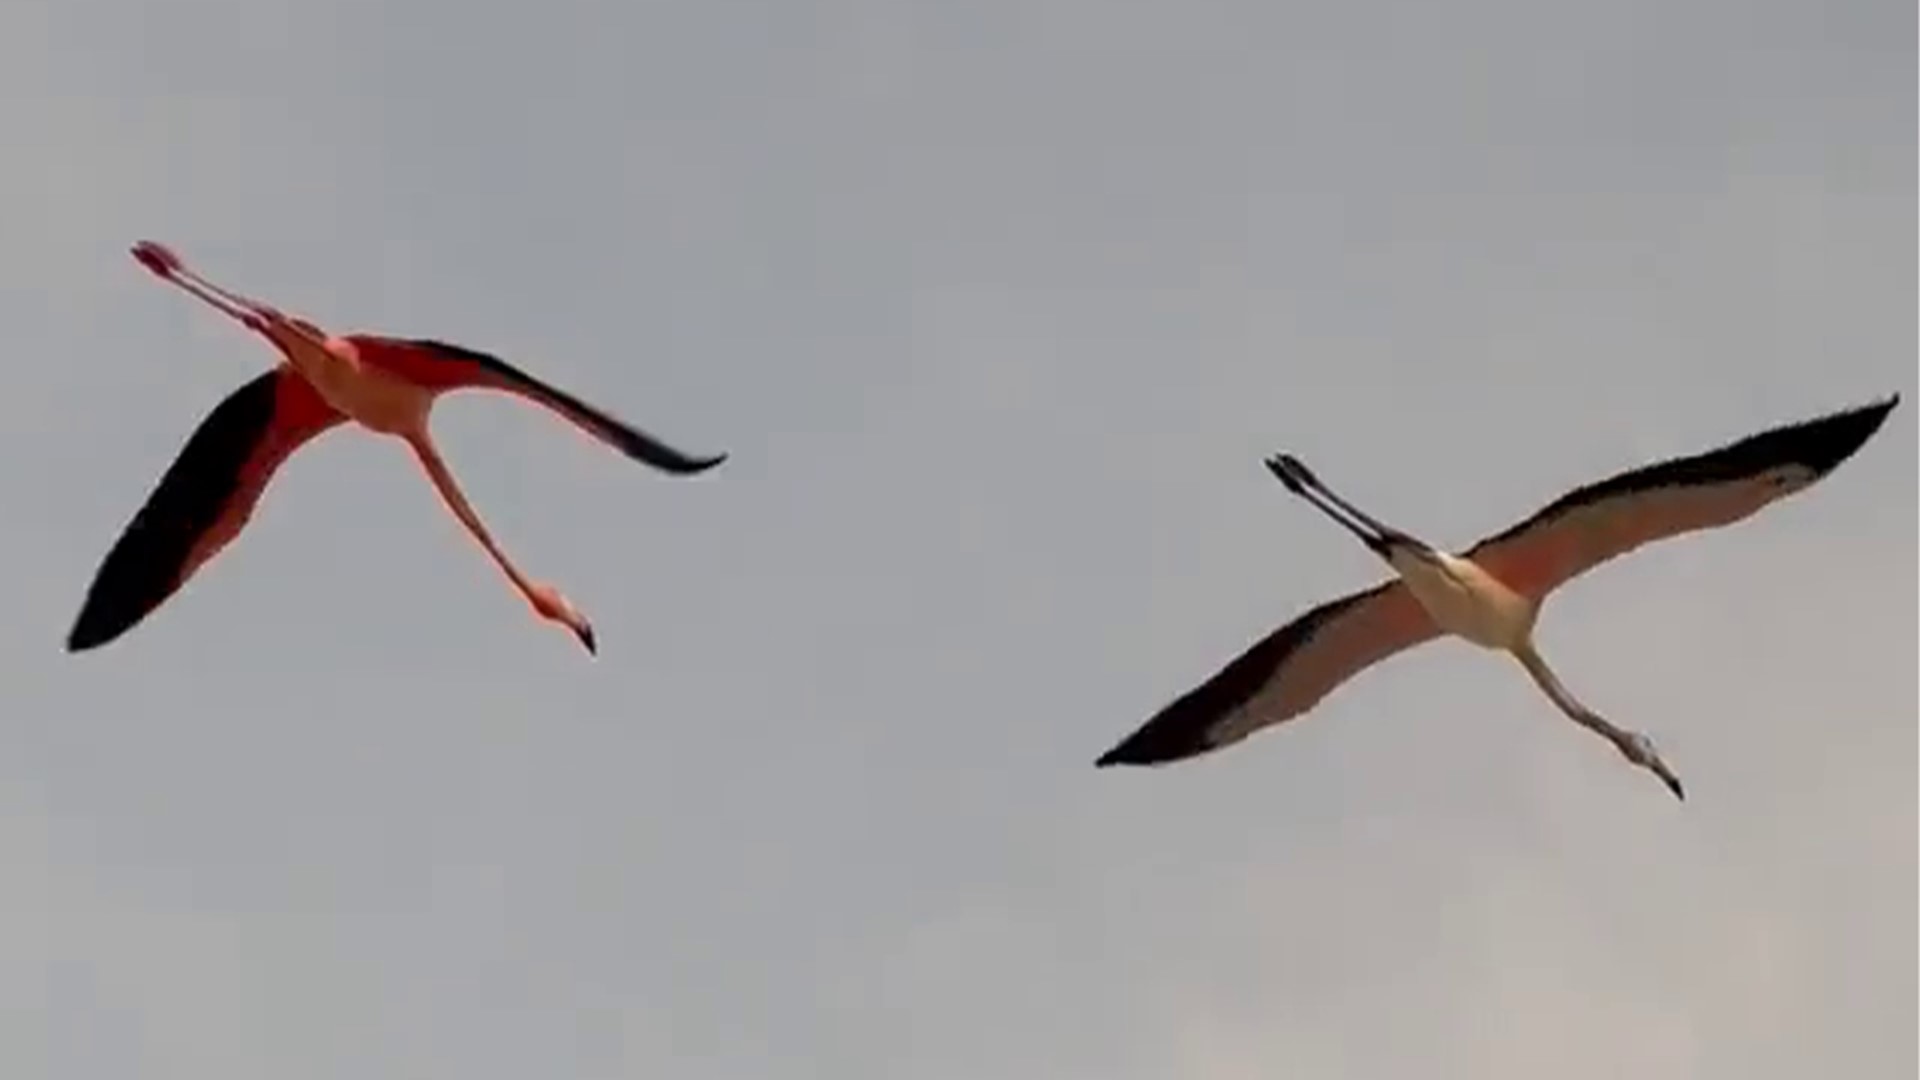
(157, 257)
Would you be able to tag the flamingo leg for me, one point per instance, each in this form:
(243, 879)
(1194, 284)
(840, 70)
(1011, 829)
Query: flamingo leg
(191, 283)
(1302, 479)
(249, 312)
(1368, 531)
(547, 601)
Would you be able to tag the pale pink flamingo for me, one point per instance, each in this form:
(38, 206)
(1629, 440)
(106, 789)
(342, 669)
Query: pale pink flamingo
(1491, 594)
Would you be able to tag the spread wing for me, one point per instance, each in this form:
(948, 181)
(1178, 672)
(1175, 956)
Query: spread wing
(202, 502)
(1281, 676)
(442, 365)
(1611, 517)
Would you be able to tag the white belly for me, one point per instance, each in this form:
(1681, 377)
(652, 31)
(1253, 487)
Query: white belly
(1465, 600)
(373, 398)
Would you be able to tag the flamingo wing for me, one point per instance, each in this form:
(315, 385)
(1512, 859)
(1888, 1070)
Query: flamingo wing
(202, 502)
(443, 366)
(1608, 518)
(1281, 676)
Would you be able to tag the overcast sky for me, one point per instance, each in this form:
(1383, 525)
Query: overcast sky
(997, 306)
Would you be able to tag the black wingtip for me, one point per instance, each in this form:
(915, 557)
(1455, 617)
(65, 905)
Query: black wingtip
(95, 626)
(667, 459)
(1823, 444)
(1157, 742)
(695, 466)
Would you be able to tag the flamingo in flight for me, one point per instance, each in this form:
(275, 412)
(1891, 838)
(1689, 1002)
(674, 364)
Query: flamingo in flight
(1491, 594)
(385, 384)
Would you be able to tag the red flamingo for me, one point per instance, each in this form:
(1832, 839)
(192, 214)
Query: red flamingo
(385, 384)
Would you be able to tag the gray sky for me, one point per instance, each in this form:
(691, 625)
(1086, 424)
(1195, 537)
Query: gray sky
(997, 306)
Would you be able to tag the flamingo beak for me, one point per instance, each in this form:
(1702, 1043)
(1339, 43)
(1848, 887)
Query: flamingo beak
(1672, 782)
(1657, 767)
(584, 632)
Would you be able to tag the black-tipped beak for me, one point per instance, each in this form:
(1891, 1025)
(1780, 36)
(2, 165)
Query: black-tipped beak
(1659, 768)
(1673, 785)
(585, 633)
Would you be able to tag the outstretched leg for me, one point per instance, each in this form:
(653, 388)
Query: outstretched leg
(251, 313)
(1301, 481)
(547, 601)
(1633, 745)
